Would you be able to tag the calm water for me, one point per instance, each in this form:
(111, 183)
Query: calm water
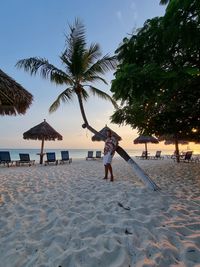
(74, 153)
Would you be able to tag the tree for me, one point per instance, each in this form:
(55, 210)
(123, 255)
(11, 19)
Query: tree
(83, 66)
(158, 77)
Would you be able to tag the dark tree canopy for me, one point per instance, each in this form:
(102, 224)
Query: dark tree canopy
(158, 78)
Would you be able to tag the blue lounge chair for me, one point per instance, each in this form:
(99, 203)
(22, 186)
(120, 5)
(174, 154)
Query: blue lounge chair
(51, 158)
(5, 158)
(65, 157)
(98, 155)
(184, 157)
(24, 159)
(90, 155)
(144, 155)
(157, 155)
(187, 157)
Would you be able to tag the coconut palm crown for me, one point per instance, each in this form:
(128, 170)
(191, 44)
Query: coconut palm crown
(82, 66)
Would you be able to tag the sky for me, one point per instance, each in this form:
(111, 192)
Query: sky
(37, 28)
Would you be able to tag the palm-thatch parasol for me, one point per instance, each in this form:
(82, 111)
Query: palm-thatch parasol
(144, 139)
(175, 140)
(102, 132)
(44, 132)
(172, 142)
(14, 99)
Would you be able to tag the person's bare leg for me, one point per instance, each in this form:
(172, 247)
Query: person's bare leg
(111, 172)
(106, 172)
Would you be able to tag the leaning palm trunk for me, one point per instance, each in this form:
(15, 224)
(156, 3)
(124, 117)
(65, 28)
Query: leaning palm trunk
(139, 172)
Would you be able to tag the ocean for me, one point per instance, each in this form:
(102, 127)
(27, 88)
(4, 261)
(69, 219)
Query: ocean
(75, 153)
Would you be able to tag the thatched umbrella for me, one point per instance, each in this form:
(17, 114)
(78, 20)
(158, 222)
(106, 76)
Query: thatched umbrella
(172, 142)
(44, 132)
(102, 133)
(14, 99)
(173, 139)
(144, 139)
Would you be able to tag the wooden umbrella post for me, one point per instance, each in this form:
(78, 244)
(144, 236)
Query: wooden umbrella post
(177, 151)
(146, 152)
(41, 152)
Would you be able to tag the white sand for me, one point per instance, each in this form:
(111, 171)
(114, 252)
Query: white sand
(67, 216)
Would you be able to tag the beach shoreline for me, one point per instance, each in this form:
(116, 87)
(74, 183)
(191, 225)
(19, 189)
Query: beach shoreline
(67, 215)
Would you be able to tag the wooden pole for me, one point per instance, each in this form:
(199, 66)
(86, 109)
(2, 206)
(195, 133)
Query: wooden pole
(177, 151)
(146, 153)
(42, 151)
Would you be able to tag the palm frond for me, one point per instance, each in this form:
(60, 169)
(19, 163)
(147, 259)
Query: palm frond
(84, 94)
(94, 79)
(92, 54)
(77, 35)
(65, 59)
(34, 65)
(101, 66)
(76, 47)
(103, 95)
(65, 96)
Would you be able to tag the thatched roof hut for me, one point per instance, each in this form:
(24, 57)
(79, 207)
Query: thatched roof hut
(14, 99)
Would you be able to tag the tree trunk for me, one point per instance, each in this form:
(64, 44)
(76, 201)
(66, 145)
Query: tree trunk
(177, 150)
(139, 172)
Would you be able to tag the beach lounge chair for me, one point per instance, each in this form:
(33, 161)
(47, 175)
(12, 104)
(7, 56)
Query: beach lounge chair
(157, 155)
(173, 156)
(24, 159)
(51, 158)
(65, 157)
(90, 155)
(98, 155)
(5, 158)
(187, 157)
(143, 156)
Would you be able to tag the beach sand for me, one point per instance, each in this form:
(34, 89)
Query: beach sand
(68, 216)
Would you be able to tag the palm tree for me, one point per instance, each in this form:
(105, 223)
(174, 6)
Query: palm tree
(83, 66)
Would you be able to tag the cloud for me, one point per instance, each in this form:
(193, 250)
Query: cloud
(119, 15)
(133, 6)
(129, 15)
(134, 10)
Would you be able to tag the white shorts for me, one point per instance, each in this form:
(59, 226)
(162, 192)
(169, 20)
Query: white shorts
(107, 159)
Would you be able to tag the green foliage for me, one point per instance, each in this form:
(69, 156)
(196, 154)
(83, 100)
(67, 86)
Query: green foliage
(158, 78)
(164, 2)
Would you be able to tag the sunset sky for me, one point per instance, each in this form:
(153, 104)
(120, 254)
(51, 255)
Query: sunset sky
(38, 28)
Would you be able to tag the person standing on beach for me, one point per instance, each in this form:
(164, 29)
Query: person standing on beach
(109, 151)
